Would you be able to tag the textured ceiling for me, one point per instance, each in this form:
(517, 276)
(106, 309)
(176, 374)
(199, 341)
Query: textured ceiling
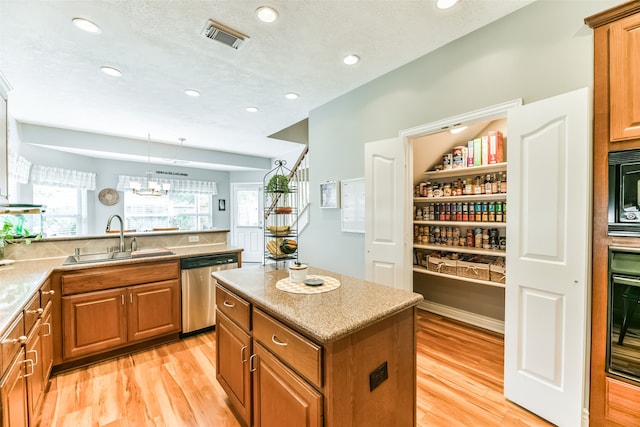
(54, 68)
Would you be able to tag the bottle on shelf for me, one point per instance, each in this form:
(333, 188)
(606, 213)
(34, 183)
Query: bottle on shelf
(503, 183)
(494, 184)
(487, 184)
(477, 185)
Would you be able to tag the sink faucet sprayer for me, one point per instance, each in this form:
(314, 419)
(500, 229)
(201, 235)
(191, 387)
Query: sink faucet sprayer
(122, 249)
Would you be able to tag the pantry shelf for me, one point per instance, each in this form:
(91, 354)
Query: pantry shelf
(458, 172)
(423, 270)
(471, 198)
(462, 250)
(472, 224)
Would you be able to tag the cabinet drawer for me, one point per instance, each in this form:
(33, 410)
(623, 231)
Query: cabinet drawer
(234, 307)
(292, 348)
(45, 293)
(100, 278)
(31, 313)
(11, 342)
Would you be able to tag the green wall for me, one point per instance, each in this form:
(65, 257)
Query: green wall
(539, 51)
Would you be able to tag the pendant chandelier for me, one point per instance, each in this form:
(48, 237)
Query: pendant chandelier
(152, 188)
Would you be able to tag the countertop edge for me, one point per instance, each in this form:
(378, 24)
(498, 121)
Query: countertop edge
(46, 272)
(334, 334)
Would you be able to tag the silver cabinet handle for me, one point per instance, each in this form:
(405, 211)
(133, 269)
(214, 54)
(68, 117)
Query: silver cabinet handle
(252, 368)
(130, 298)
(48, 325)
(36, 354)
(49, 292)
(122, 298)
(276, 341)
(242, 359)
(29, 362)
(228, 304)
(39, 311)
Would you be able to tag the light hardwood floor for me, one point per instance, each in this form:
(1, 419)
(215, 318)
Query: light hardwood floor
(459, 384)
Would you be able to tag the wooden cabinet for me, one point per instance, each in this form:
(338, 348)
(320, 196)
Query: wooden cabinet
(616, 127)
(39, 359)
(624, 66)
(281, 397)
(290, 380)
(27, 356)
(153, 310)
(95, 322)
(233, 349)
(13, 394)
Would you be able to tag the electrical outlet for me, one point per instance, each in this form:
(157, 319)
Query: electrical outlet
(378, 376)
(194, 239)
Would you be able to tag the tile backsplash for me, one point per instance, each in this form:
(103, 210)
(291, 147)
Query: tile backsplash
(62, 247)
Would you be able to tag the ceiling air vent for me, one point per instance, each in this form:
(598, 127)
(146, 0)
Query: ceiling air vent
(225, 35)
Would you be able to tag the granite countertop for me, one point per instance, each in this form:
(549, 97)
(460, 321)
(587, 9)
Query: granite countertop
(19, 281)
(323, 317)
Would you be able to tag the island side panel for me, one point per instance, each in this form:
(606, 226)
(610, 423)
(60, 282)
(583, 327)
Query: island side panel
(350, 361)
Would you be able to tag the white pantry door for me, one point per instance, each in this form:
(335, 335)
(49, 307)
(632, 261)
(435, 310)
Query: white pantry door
(385, 185)
(548, 251)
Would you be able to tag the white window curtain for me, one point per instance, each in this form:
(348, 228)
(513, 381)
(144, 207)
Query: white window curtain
(60, 177)
(19, 168)
(177, 185)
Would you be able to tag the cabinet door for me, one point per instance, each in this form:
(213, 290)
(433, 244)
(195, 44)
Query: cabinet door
(93, 322)
(153, 310)
(233, 348)
(35, 379)
(625, 78)
(46, 336)
(281, 397)
(13, 394)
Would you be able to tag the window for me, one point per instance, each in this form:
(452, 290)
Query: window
(185, 211)
(65, 213)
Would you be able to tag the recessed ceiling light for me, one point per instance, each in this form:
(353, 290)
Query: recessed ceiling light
(192, 92)
(110, 71)
(86, 25)
(351, 59)
(457, 130)
(252, 109)
(445, 4)
(267, 14)
(292, 95)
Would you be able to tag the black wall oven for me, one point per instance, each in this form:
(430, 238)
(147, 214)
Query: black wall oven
(624, 193)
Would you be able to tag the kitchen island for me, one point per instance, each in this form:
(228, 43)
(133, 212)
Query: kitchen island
(345, 357)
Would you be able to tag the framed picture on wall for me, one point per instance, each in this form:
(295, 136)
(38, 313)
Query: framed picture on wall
(329, 194)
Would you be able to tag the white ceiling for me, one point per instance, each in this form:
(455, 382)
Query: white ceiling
(54, 68)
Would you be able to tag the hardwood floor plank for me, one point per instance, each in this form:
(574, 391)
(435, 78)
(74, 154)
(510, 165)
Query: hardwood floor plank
(459, 384)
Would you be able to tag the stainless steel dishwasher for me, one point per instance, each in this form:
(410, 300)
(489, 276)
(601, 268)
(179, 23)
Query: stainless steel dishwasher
(198, 289)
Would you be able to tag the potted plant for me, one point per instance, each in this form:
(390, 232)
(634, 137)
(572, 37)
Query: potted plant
(12, 231)
(278, 184)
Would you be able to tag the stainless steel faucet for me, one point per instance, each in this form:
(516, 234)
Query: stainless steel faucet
(121, 230)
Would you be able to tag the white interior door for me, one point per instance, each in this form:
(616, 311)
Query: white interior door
(548, 251)
(246, 220)
(385, 200)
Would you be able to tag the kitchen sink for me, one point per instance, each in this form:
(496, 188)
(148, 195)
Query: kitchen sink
(101, 257)
(115, 256)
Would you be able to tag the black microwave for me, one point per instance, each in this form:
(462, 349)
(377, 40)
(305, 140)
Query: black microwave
(624, 193)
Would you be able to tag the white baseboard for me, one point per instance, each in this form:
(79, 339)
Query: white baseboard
(463, 316)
